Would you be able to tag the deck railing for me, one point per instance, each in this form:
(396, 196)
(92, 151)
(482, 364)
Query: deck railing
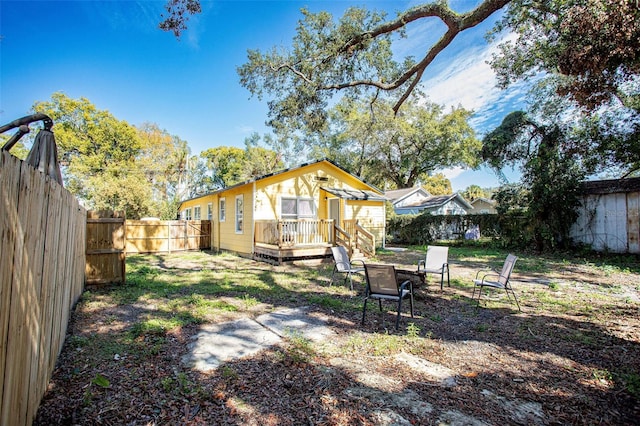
(291, 232)
(349, 226)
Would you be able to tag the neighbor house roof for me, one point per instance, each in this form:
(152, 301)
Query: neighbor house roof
(439, 200)
(396, 195)
(486, 200)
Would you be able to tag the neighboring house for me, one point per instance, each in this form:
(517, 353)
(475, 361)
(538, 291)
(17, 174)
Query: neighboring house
(291, 213)
(483, 206)
(418, 200)
(400, 198)
(609, 217)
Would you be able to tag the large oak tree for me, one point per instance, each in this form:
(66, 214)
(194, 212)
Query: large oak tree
(398, 150)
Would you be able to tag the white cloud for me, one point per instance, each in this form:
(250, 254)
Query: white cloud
(470, 82)
(453, 172)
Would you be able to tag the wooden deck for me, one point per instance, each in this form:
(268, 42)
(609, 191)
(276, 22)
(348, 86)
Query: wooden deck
(278, 241)
(274, 254)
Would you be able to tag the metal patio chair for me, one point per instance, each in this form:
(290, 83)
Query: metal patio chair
(436, 262)
(495, 279)
(344, 265)
(382, 284)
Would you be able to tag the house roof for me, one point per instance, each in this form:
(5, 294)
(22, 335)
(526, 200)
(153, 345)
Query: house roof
(281, 172)
(354, 194)
(396, 195)
(437, 201)
(486, 200)
(610, 186)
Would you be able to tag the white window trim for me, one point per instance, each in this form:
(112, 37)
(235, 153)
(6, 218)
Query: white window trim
(209, 211)
(197, 213)
(298, 199)
(222, 209)
(187, 214)
(239, 215)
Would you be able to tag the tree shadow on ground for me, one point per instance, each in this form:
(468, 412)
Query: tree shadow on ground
(535, 367)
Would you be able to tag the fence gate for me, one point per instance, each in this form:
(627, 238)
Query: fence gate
(105, 251)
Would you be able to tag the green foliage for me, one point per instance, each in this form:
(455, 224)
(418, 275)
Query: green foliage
(399, 149)
(299, 349)
(511, 198)
(588, 54)
(474, 192)
(594, 45)
(18, 150)
(154, 326)
(552, 172)
(100, 380)
(426, 228)
(178, 13)
(413, 331)
(110, 164)
(437, 184)
(632, 383)
(229, 165)
(353, 54)
(163, 161)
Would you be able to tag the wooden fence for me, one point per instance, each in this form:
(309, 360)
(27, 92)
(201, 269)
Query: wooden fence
(42, 246)
(153, 236)
(105, 257)
(110, 238)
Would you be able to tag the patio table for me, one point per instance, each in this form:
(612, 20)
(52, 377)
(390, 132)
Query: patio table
(418, 281)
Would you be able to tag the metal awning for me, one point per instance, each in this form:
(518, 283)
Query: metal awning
(354, 194)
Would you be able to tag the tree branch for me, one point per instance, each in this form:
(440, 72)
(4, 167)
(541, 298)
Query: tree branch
(455, 23)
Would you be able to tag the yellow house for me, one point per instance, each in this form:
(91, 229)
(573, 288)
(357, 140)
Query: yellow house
(294, 213)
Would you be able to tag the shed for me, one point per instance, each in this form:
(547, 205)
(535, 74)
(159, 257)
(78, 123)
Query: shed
(609, 215)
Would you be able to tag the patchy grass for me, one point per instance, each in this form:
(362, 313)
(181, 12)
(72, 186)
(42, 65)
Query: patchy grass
(574, 350)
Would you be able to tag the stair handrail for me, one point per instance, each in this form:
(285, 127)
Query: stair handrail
(365, 241)
(343, 238)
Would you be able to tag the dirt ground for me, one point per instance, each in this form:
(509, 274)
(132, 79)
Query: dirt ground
(570, 357)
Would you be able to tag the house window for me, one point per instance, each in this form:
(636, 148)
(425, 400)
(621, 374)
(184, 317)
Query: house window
(222, 209)
(209, 211)
(297, 208)
(187, 214)
(196, 213)
(239, 214)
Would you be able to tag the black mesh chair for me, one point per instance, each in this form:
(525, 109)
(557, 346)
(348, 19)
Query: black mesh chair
(382, 284)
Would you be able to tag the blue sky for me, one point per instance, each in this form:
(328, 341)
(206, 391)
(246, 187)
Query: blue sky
(113, 54)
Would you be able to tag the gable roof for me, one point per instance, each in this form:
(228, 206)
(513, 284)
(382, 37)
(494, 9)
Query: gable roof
(486, 200)
(397, 195)
(279, 172)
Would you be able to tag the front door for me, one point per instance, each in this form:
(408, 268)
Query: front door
(334, 210)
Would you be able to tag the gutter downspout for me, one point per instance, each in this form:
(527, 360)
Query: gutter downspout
(384, 224)
(253, 220)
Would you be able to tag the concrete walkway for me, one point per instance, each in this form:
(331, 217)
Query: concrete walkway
(217, 343)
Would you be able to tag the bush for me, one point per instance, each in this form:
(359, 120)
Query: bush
(425, 228)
